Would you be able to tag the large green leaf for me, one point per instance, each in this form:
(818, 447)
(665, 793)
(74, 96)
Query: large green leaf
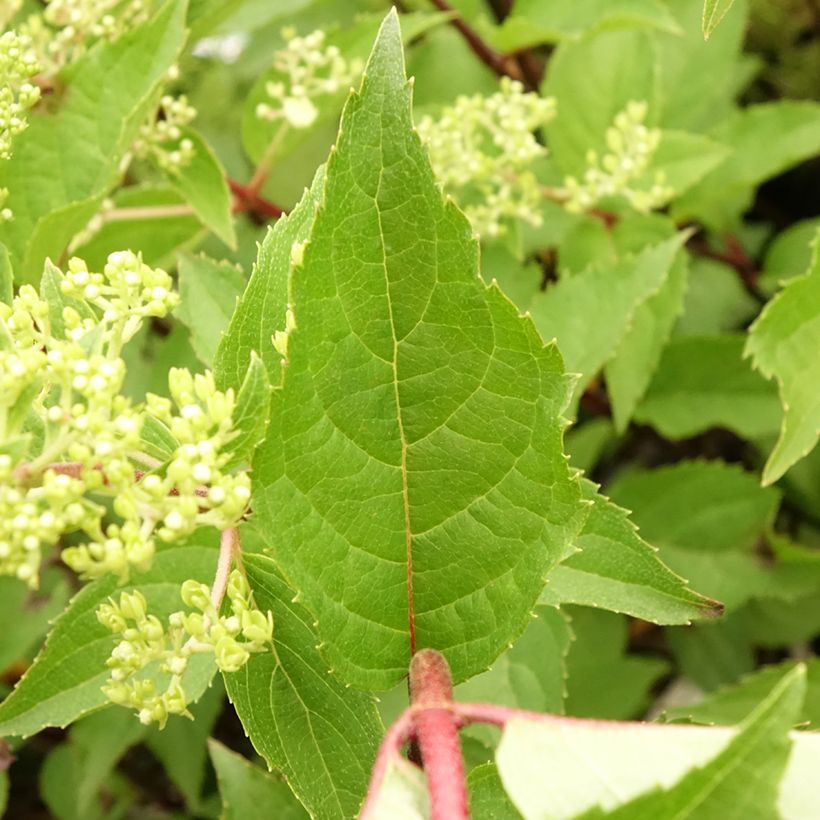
(110, 91)
(713, 12)
(784, 342)
(412, 485)
(65, 680)
(301, 719)
(251, 793)
(616, 569)
(561, 769)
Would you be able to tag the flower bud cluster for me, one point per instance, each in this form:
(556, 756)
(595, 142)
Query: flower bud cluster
(482, 148)
(163, 127)
(308, 69)
(145, 640)
(621, 171)
(66, 28)
(17, 65)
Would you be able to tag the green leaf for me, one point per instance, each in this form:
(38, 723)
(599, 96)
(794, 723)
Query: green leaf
(202, 183)
(589, 442)
(262, 309)
(529, 675)
(248, 792)
(713, 12)
(616, 569)
(6, 276)
(685, 158)
(64, 681)
(702, 382)
(599, 653)
(157, 236)
(629, 372)
(592, 80)
(403, 793)
(73, 774)
(487, 796)
(111, 90)
(557, 769)
(766, 139)
(732, 703)
(783, 343)
(250, 418)
(301, 719)
(789, 254)
(57, 301)
(209, 291)
(382, 461)
(181, 745)
(532, 22)
(590, 314)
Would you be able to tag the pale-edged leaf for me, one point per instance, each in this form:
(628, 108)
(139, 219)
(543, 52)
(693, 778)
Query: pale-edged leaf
(111, 90)
(202, 183)
(589, 314)
(403, 793)
(412, 485)
(713, 12)
(559, 768)
(702, 382)
(784, 342)
(209, 291)
(616, 569)
(65, 680)
(303, 721)
(249, 792)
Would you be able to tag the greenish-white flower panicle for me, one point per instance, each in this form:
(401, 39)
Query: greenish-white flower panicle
(622, 171)
(308, 69)
(65, 29)
(61, 373)
(160, 137)
(482, 150)
(145, 640)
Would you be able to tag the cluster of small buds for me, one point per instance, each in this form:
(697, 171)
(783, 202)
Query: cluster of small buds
(482, 149)
(194, 488)
(621, 171)
(308, 69)
(145, 640)
(66, 28)
(18, 64)
(164, 127)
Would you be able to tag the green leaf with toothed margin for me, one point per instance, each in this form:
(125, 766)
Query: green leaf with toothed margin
(784, 342)
(412, 485)
(64, 681)
(250, 417)
(713, 12)
(322, 735)
(616, 569)
(110, 91)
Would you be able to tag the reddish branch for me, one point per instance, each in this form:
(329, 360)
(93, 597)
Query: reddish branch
(248, 200)
(502, 64)
(735, 257)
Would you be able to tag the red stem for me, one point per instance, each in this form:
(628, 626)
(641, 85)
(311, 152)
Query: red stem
(248, 200)
(431, 691)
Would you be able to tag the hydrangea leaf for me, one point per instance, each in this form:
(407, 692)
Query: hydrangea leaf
(487, 795)
(64, 681)
(591, 313)
(202, 183)
(209, 291)
(713, 12)
(783, 343)
(554, 767)
(412, 485)
(701, 382)
(616, 569)
(303, 721)
(94, 125)
(250, 417)
(251, 793)
(6, 276)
